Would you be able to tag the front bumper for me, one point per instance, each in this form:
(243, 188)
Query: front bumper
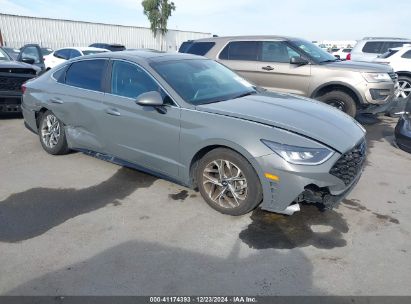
(378, 93)
(10, 102)
(298, 183)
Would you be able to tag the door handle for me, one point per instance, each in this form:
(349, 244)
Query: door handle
(56, 100)
(113, 112)
(268, 68)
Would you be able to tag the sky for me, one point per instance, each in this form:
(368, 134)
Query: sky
(309, 19)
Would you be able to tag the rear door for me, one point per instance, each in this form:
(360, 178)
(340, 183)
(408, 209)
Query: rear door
(77, 99)
(140, 134)
(32, 52)
(242, 57)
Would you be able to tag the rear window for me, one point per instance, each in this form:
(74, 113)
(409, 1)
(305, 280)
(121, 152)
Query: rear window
(406, 55)
(199, 48)
(116, 48)
(373, 47)
(241, 50)
(86, 74)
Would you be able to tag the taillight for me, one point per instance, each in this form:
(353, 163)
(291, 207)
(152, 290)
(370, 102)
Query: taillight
(348, 56)
(23, 88)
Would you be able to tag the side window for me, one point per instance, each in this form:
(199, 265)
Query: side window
(128, 80)
(74, 53)
(373, 47)
(406, 55)
(241, 50)
(200, 48)
(390, 45)
(32, 53)
(62, 54)
(277, 51)
(87, 74)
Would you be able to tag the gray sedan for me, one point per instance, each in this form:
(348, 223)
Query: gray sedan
(193, 121)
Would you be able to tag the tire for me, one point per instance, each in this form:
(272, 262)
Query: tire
(404, 91)
(207, 176)
(341, 101)
(52, 135)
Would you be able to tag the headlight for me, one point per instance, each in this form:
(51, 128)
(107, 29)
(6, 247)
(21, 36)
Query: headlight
(300, 155)
(376, 77)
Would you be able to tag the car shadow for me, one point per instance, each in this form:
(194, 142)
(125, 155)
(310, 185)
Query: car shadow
(33, 212)
(312, 226)
(147, 268)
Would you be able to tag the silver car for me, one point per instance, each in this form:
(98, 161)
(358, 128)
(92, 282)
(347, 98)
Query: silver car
(191, 120)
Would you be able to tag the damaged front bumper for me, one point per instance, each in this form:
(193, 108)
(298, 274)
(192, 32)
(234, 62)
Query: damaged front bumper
(327, 184)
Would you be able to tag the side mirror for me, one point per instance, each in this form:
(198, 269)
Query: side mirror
(28, 60)
(298, 60)
(150, 99)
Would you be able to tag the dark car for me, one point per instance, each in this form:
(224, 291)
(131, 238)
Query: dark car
(12, 75)
(12, 52)
(109, 46)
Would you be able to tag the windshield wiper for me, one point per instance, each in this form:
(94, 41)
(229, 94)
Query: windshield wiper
(330, 60)
(245, 94)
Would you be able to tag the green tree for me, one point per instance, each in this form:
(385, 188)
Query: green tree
(158, 12)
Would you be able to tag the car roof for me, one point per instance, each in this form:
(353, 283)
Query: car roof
(86, 48)
(147, 55)
(253, 37)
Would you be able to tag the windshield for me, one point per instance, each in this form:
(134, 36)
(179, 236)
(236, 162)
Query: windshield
(313, 51)
(92, 52)
(202, 81)
(4, 56)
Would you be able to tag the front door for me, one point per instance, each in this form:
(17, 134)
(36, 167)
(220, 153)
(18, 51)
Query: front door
(274, 71)
(140, 134)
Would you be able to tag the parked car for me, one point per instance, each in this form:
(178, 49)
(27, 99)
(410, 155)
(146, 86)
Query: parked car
(61, 55)
(109, 46)
(400, 60)
(12, 52)
(342, 53)
(297, 66)
(370, 47)
(12, 75)
(192, 120)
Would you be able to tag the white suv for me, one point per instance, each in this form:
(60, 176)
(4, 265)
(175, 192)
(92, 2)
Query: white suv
(400, 60)
(370, 47)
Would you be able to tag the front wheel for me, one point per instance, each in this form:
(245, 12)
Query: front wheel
(228, 182)
(52, 135)
(404, 88)
(341, 101)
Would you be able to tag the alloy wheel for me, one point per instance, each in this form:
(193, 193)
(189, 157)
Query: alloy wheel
(224, 183)
(404, 89)
(50, 131)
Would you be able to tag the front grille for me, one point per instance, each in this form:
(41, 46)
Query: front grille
(10, 83)
(393, 76)
(350, 164)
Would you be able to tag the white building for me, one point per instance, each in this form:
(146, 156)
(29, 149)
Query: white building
(16, 31)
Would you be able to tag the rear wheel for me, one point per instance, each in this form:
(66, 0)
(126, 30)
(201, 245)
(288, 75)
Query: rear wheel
(228, 182)
(341, 101)
(52, 135)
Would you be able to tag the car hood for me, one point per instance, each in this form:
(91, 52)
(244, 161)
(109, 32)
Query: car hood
(18, 65)
(358, 66)
(303, 116)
